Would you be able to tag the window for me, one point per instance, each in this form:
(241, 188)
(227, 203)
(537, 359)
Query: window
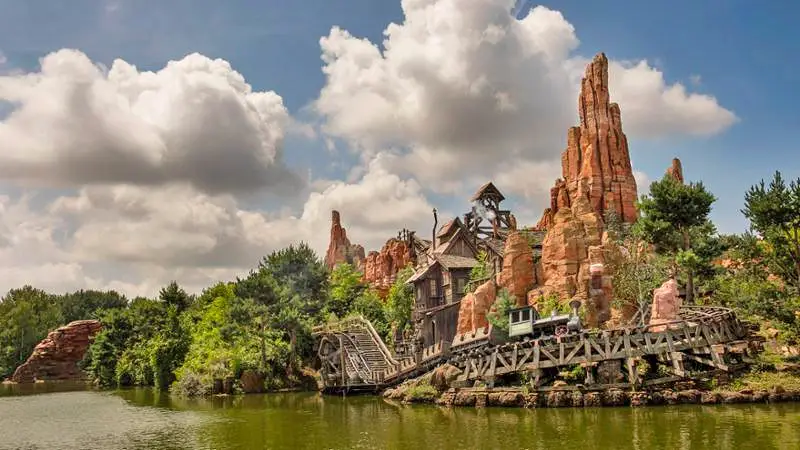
(461, 284)
(526, 315)
(434, 290)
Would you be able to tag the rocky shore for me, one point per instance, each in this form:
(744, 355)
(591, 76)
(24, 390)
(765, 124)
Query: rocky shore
(438, 387)
(514, 397)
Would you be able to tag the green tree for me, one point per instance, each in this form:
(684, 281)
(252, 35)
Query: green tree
(498, 316)
(291, 288)
(89, 304)
(774, 213)
(173, 295)
(400, 300)
(671, 215)
(346, 286)
(26, 316)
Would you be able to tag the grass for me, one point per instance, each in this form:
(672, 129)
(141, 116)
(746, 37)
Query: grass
(422, 393)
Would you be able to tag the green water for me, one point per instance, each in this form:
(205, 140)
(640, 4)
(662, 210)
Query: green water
(139, 419)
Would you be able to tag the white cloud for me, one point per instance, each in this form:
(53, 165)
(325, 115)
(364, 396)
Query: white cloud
(152, 166)
(195, 120)
(137, 239)
(642, 182)
(652, 108)
(463, 88)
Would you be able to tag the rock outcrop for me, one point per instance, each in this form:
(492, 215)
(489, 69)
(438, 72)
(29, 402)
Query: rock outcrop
(597, 152)
(340, 250)
(575, 235)
(666, 304)
(597, 179)
(475, 306)
(676, 170)
(56, 358)
(518, 273)
(380, 268)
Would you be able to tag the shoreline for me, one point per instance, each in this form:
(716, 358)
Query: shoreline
(570, 398)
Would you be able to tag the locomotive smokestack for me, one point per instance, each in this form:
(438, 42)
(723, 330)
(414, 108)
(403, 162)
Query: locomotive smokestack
(435, 224)
(575, 305)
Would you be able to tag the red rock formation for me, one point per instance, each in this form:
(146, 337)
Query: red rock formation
(597, 150)
(340, 250)
(518, 273)
(475, 306)
(58, 355)
(597, 179)
(676, 170)
(666, 304)
(380, 268)
(572, 243)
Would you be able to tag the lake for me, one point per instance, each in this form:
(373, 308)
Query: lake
(145, 419)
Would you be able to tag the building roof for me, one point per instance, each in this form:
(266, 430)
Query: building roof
(487, 189)
(496, 245)
(447, 262)
(449, 227)
(451, 262)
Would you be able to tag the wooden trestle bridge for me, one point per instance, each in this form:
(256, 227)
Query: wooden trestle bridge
(703, 339)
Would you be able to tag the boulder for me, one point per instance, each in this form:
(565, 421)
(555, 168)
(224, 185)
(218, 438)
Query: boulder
(475, 306)
(666, 305)
(443, 376)
(251, 382)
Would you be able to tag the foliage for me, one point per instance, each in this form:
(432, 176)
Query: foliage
(774, 213)
(546, 305)
(480, 272)
(421, 393)
(346, 286)
(27, 314)
(675, 220)
(498, 316)
(173, 295)
(400, 301)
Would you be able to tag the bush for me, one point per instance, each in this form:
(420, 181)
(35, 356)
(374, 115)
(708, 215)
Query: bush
(422, 393)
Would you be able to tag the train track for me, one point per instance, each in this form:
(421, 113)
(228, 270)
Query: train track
(703, 338)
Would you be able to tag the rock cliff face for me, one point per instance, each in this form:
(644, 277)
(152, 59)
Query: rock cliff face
(518, 273)
(58, 355)
(380, 268)
(340, 250)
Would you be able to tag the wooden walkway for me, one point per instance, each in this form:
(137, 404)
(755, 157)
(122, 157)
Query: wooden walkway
(704, 338)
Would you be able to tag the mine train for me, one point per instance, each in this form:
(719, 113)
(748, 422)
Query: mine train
(525, 322)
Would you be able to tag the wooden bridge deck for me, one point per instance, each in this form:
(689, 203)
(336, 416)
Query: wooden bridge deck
(355, 358)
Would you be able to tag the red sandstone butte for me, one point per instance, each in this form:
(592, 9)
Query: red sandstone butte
(340, 250)
(58, 355)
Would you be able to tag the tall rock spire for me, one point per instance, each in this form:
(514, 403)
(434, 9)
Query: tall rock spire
(597, 151)
(340, 250)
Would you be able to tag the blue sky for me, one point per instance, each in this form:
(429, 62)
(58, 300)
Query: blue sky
(740, 53)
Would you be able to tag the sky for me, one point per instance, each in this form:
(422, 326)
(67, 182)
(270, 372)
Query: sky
(149, 141)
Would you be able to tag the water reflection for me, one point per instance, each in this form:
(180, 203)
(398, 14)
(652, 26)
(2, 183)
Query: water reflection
(147, 419)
